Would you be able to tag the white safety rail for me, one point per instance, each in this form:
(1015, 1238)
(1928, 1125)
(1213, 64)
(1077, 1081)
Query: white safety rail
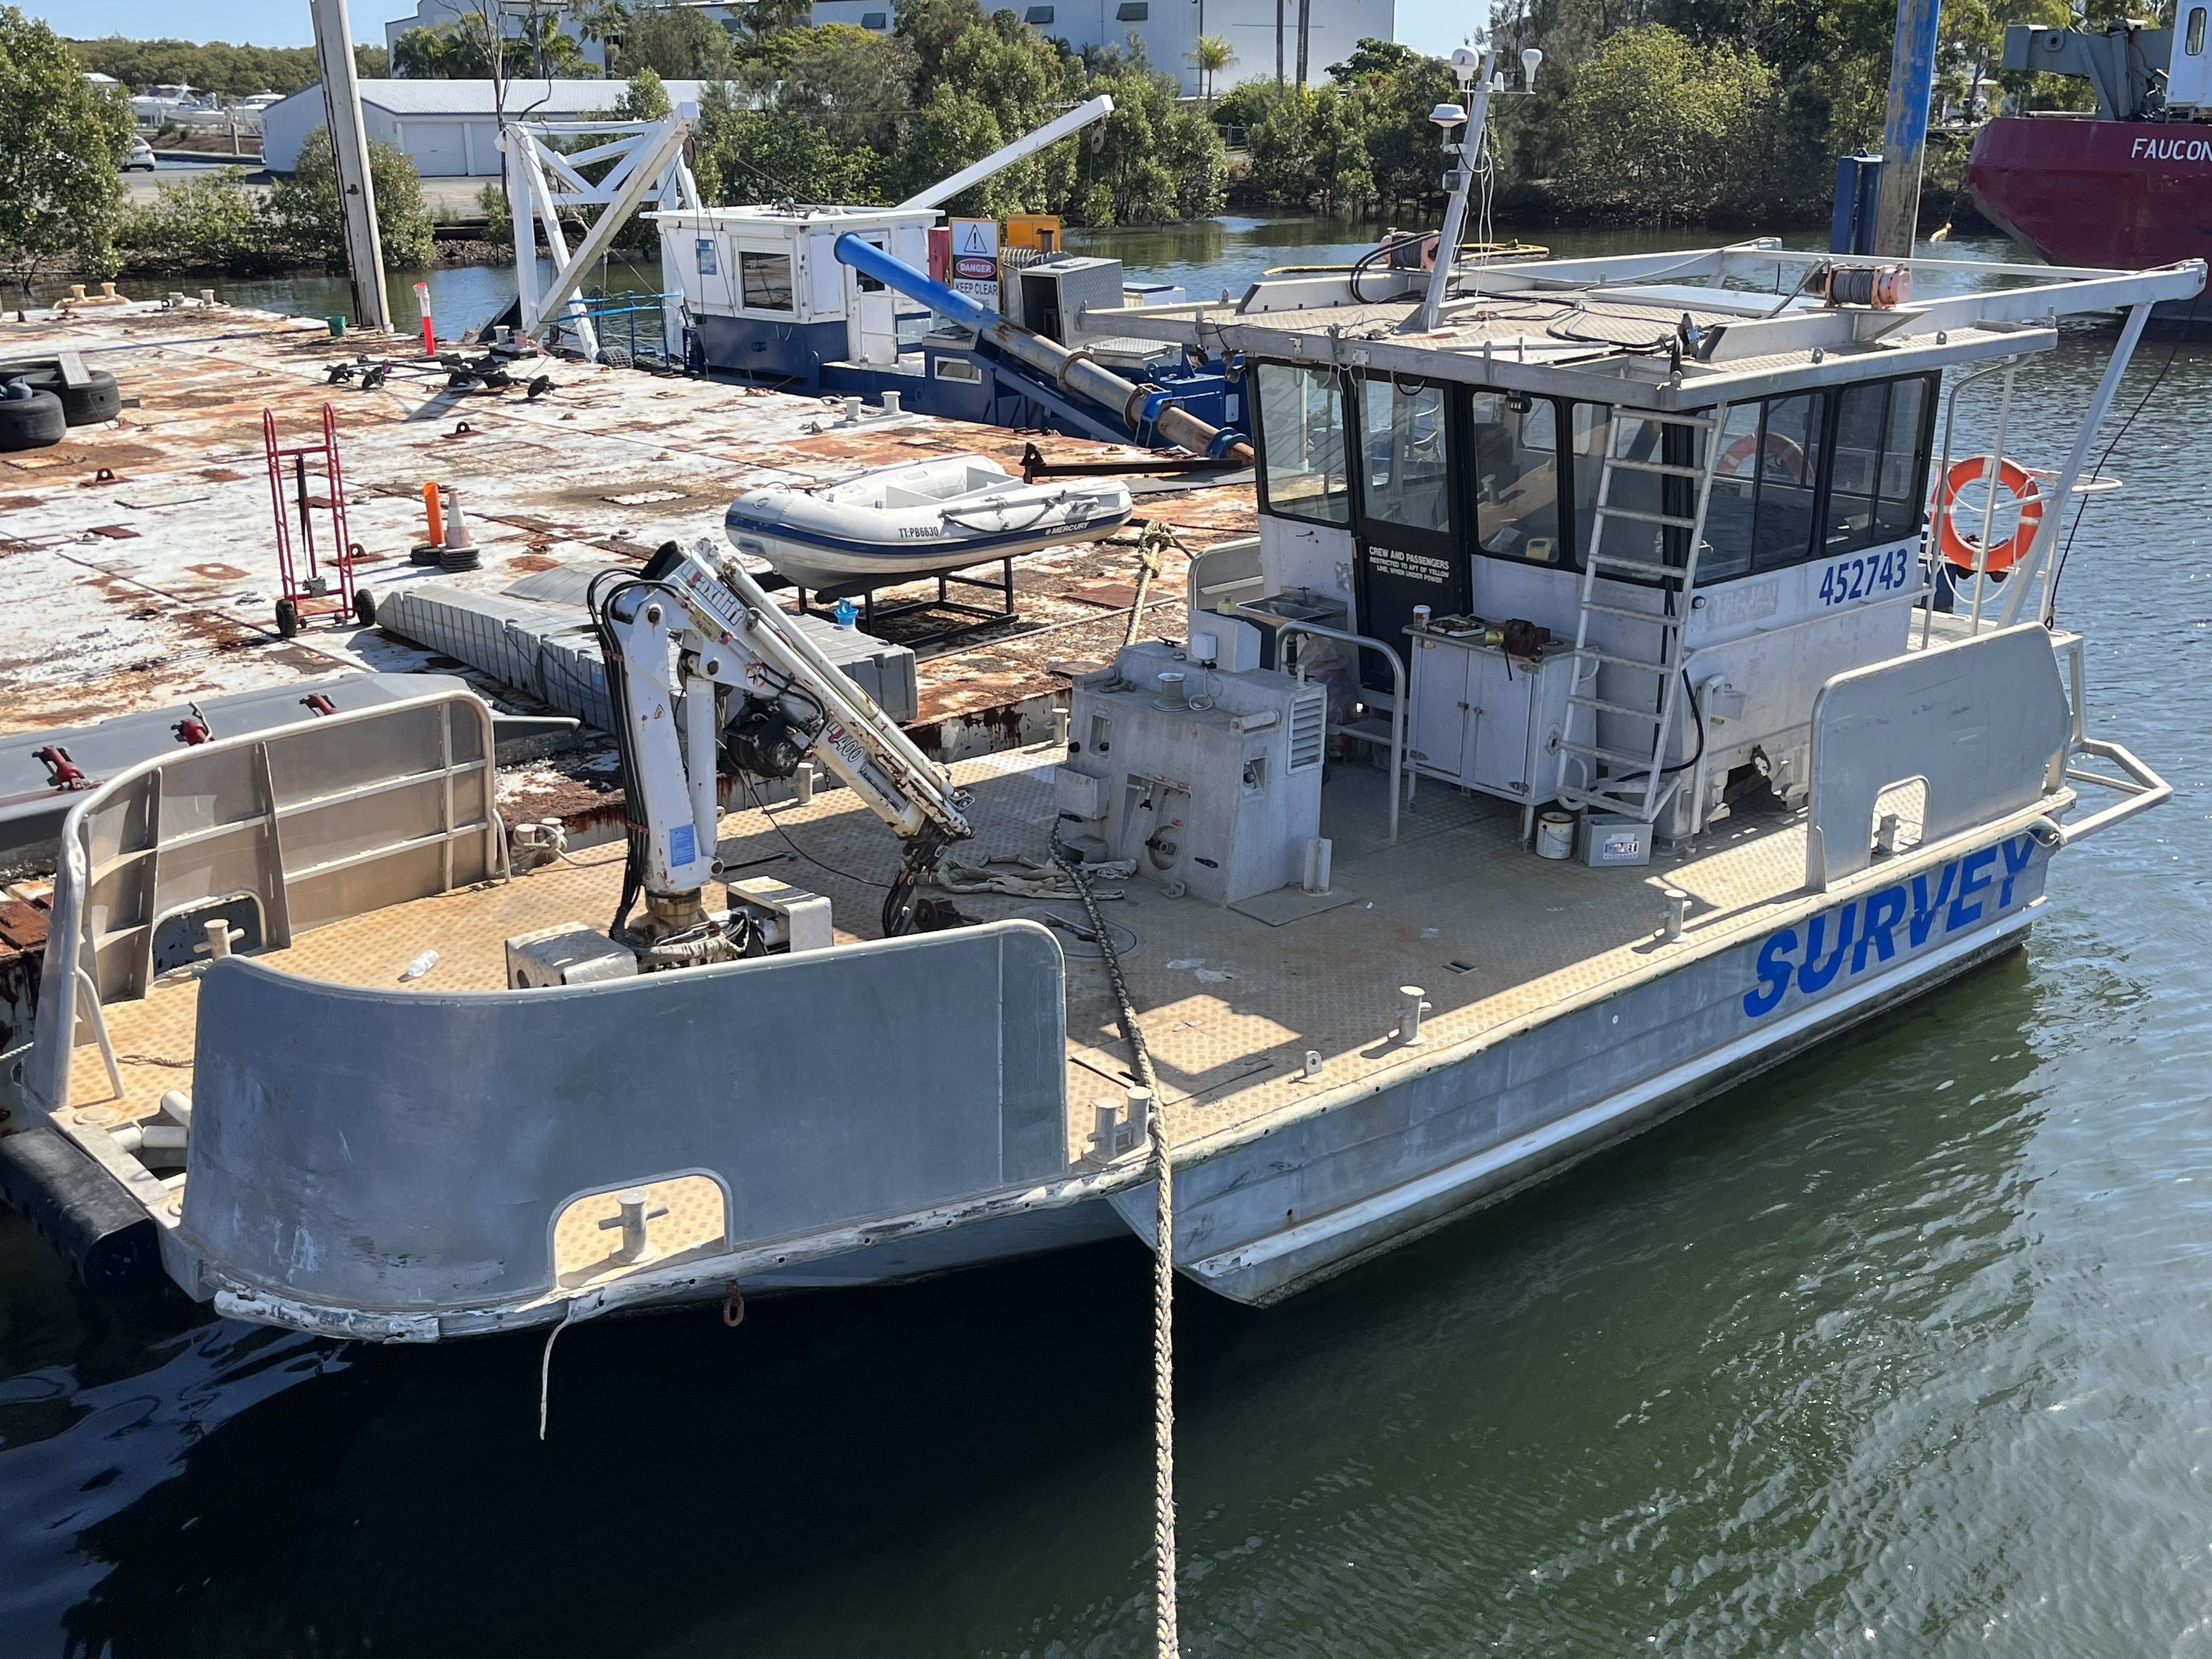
(544, 179)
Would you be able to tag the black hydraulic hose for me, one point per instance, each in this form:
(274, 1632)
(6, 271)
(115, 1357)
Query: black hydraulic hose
(1360, 265)
(1697, 720)
(610, 653)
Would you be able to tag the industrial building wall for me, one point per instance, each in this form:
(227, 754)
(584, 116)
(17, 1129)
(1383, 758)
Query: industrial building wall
(287, 123)
(1168, 30)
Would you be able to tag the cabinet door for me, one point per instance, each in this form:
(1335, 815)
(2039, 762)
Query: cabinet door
(1437, 725)
(1502, 692)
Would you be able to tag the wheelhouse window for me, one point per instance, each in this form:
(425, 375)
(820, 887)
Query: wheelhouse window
(1599, 429)
(764, 281)
(2195, 42)
(1408, 454)
(1516, 475)
(1881, 456)
(1301, 443)
(1765, 483)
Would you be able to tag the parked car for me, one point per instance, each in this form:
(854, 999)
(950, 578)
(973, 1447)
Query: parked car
(141, 156)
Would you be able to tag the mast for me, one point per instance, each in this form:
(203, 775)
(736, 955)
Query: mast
(1904, 131)
(350, 155)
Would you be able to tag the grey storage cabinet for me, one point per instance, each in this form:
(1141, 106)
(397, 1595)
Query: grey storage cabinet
(1485, 720)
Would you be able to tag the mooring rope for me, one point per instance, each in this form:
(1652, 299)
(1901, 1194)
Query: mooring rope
(1165, 1642)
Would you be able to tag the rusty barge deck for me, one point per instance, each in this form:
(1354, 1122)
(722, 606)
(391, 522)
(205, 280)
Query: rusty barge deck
(137, 568)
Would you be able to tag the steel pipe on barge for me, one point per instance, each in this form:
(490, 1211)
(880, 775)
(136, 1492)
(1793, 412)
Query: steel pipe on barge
(1072, 371)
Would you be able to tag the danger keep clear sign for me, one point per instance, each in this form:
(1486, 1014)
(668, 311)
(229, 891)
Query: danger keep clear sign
(975, 258)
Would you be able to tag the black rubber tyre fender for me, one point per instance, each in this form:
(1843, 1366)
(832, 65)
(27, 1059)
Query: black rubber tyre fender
(32, 423)
(364, 607)
(97, 401)
(288, 618)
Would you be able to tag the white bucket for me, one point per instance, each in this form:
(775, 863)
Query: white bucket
(1555, 835)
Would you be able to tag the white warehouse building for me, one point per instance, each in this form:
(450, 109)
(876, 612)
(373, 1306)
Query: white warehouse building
(1168, 28)
(448, 128)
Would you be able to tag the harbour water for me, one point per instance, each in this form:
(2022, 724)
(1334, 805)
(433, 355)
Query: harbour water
(1899, 1347)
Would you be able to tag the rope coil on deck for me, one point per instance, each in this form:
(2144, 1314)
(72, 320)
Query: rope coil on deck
(1166, 1642)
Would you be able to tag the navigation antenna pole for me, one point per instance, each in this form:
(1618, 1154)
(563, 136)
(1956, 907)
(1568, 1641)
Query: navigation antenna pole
(350, 153)
(1476, 71)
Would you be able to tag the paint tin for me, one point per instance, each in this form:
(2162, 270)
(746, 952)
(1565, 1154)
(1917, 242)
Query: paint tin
(1555, 834)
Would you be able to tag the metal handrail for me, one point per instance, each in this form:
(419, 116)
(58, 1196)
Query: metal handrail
(1285, 625)
(2141, 789)
(47, 1076)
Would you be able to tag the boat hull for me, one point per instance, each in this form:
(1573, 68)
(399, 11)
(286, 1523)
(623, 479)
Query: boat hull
(2113, 194)
(1259, 1220)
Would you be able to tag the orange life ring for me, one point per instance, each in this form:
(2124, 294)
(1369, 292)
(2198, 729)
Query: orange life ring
(1786, 454)
(1960, 549)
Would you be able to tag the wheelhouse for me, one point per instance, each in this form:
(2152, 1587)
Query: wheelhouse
(1670, 506)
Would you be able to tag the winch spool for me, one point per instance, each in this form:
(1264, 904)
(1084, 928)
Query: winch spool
(1883, 288)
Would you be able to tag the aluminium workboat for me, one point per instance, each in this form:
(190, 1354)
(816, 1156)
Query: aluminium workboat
(312, 1031)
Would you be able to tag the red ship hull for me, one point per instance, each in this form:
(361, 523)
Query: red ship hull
(2116, 194)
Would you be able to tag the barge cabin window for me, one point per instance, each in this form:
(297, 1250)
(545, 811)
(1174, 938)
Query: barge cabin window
(1302, 432)
(764, 281)
(1807, 476)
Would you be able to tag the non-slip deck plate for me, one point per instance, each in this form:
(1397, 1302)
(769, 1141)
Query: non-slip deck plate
(1229, 1004)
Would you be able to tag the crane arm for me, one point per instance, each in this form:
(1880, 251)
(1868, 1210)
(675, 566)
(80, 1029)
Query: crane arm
(693, 623)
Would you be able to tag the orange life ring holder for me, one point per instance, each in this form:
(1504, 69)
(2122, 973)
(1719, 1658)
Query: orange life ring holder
(1787, 454)
(2009, 475)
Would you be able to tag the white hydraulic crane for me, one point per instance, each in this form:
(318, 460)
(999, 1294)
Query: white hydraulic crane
(693, 638)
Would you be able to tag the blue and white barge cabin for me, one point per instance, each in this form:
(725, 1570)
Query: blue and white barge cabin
(1626, 560)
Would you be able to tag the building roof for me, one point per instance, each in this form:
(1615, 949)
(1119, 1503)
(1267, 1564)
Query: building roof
(543, 98)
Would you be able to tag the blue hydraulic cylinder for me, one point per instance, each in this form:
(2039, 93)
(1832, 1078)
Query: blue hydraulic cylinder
(1905, 131)
(1073, 372)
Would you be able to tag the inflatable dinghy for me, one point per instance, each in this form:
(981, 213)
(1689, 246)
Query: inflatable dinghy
(920, 519)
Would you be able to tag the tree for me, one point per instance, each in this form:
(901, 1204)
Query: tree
(747, 155)
(1157, 159)
(677, 43)
(1397, 88)
(853, 82)
(308, 214)
(1666, 130)
(226, 70)
(1001, 69)
(63, 141)
(544, 50)
(1210, 55)
(604, 21)
(1310, 148)
(930, 27)
(444, 51)
(1374, 60)
(210, 221)
(643, 99)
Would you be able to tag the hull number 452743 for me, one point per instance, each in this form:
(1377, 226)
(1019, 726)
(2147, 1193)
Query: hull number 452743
(1866, 575)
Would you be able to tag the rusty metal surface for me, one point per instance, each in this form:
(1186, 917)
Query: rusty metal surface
(137, 568)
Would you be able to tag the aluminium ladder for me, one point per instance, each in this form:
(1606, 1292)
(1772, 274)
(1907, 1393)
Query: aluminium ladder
(1638, 784)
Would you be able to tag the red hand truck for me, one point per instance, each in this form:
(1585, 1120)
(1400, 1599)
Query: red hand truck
(312, 594)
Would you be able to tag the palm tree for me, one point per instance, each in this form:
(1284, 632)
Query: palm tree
(602, 21)
(1210, 55)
